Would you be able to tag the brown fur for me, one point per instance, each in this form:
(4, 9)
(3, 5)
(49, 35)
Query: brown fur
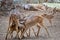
(40, 22)
(31, 22)
(50, 17)
(13, 25)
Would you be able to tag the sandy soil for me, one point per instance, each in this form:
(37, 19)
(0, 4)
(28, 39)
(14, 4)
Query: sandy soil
(54, 30)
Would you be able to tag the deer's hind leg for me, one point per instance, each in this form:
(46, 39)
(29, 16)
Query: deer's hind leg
(50, 22)
(37, 33)
(8, 32)
(44, 27)
(28, 34)
(17, 31)
(34, 32)
(38, 25)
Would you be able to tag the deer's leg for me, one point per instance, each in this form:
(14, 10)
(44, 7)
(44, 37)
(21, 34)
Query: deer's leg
(50, 22)
(10, 20)
(17, 30)
(23, 32)
(8, 31)
(11, 33)
(29, 33)
(38, 25)
(44, 27)
(17, 35)
(34, 32)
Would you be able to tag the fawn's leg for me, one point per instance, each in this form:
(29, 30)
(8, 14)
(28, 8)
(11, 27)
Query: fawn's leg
(38, 25)
(24, 32)
(28, 34)
(8, 31)
(34, 32)
(50, 22)
(45, 28)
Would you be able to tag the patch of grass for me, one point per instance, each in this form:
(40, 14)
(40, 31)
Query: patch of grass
(57, 5)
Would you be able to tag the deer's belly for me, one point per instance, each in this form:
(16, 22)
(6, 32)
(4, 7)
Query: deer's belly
(31, 24)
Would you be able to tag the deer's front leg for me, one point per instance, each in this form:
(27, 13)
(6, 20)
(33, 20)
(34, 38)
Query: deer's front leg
(38, 25)
(28, 34)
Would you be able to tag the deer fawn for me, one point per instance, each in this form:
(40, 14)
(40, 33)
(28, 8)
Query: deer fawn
(32, 21)
(50, 17)
(13, 25)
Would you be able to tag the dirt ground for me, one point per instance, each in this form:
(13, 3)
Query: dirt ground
(54, 30)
